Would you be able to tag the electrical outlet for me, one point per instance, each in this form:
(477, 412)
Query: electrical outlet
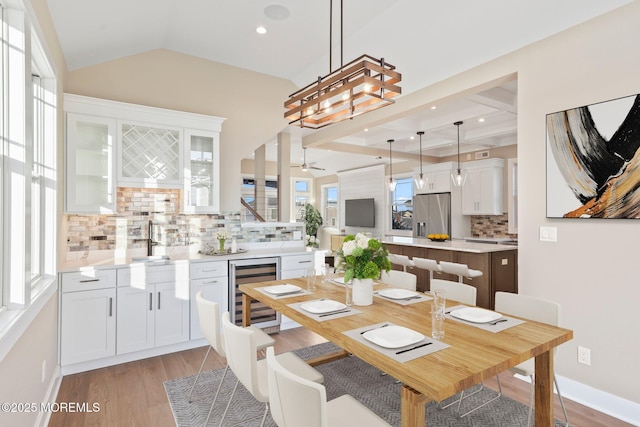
(584, 355)
(44, 371)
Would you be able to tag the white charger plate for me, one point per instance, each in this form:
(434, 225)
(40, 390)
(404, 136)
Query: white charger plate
(395, 293)
(322, 306)
(393, 336)
(476, 315)
(282, 289)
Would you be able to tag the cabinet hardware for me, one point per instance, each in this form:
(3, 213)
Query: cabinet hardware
(158, 300)
(150, 301)
(89, 280)
(304, 262)
(110, 307)
(209, 282)
(210, 270)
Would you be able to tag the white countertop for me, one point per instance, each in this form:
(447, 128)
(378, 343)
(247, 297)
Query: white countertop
(451, 245)
(108, 259)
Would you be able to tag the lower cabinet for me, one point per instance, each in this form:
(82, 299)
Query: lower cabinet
(152, 311)
(212, 278)
(88, 325)
(293, 266)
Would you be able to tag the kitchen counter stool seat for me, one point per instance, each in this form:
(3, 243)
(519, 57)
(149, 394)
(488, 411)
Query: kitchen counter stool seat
(402, 260)
(460, 270)
(427, 264)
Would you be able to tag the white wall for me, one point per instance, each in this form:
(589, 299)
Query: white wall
(363, 184)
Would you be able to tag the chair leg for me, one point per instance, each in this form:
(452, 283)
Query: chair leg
(485, 403)
(198, 375)
(266, 411)
(225, 409)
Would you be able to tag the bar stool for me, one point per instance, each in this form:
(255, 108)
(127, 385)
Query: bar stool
(427, 264)
(402, 260)
(460, 270)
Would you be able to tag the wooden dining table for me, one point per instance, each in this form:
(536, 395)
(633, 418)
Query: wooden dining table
(473, 354)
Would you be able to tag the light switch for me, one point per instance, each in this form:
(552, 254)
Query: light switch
(548, 234)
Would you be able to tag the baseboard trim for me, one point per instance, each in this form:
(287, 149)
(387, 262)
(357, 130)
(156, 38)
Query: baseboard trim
(601, 401)
(598, 400)
(50, 397)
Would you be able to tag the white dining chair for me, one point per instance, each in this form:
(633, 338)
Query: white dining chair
(240, 345)
(402, 260)
(540, 310)
(460, 270)
(400, 279)
(461, 292)
(296, 401)
(209, 319)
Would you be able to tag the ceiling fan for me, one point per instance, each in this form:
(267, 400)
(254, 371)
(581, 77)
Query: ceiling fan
(306, 166)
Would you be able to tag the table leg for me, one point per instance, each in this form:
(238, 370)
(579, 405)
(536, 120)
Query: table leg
(246, 310)
(412, 407)
(544, 389)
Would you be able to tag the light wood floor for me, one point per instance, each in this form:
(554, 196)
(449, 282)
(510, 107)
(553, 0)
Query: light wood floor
(132, 394)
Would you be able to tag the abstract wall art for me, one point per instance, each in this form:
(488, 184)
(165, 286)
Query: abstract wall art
(593, 161)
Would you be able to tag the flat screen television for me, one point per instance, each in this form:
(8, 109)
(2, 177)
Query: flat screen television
(359, 213)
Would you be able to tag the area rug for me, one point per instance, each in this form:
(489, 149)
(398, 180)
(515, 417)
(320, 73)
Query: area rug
(380, 393)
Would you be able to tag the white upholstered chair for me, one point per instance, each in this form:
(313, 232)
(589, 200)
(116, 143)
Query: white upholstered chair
(460, 270)
(240, 345)
(209, 319)
(537, 309)
(402, 260)
(400, 279)
(296, 402)
(456, 291)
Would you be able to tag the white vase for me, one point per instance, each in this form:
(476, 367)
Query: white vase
(362, 291)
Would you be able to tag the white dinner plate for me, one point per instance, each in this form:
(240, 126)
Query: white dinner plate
(282, 289)
(322, 306)
(476, 315)
(393, 336)
(338, 280)
(395, 293)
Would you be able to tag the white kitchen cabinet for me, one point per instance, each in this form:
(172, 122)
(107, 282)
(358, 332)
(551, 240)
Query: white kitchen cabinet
(482, 193)
(437, 177)
(292, 266)
(139, 146)
(87, 316)
(153, 307)
(212, 278)
(90, 164)
(202, 171)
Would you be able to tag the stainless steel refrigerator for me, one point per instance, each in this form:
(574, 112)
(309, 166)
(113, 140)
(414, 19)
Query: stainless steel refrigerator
(431, 214)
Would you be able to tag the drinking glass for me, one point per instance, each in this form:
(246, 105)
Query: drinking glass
(311, 279)
(439, 298)
(348, 292)
(437, 321)
(325, 270)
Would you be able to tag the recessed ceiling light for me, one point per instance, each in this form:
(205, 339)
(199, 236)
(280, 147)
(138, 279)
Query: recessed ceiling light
(481, 120)
(366, 130)
(261, 30)
(276, 12)
(433, 107)
(412, 137)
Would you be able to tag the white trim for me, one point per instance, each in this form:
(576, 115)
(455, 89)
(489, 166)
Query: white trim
(50, 397)
(597, 400)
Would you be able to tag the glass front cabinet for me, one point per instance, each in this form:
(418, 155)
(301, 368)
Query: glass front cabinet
(202, 171)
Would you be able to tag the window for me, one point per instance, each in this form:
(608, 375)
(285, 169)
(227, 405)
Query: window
(302, 194)
(27, 167)
(401, 205)
(330, 205)
(266, 207)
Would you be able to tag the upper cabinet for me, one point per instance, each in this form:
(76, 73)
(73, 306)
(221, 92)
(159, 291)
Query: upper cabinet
(437, 178)
(482, 191)
(113, 144)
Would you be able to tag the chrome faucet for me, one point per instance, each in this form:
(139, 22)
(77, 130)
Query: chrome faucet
(150, 242)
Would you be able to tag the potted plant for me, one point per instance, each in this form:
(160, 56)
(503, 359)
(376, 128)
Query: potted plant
(312, 221)
(362, 259)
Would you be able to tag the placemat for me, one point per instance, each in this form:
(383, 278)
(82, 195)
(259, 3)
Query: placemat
(427, 346)
(421, 298)
(349, 311)
(292, 294)
(501, 326)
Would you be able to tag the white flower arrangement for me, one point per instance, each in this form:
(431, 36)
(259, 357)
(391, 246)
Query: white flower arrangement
(311, 240)
(222, 234)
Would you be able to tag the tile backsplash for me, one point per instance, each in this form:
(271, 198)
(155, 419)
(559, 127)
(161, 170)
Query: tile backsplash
(129, 227)
(490, 226)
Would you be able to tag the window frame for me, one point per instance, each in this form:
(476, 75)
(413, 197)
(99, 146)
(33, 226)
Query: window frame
(391, 204)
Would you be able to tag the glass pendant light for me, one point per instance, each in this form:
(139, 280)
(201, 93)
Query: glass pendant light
(420, 180)
(392, 183)
(460, 177)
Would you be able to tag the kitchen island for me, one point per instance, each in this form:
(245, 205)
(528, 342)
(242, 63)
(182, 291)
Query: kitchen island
(498, 263)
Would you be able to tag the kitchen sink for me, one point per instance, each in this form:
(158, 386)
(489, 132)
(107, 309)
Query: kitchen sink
(152, 259)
